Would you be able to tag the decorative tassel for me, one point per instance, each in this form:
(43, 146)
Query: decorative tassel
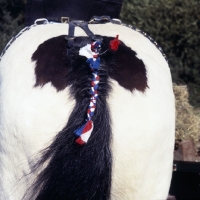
(95, 46)
(114, 43)
(84, 132)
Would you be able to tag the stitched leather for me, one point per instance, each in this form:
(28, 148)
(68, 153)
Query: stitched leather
(74, 9)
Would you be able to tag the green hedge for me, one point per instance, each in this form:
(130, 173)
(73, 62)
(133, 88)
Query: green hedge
(175, 25)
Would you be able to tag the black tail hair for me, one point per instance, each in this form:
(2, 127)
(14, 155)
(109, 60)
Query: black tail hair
(76, 172)
(73, 171)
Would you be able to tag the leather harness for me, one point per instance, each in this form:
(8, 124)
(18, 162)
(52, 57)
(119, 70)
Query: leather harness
(84, 26)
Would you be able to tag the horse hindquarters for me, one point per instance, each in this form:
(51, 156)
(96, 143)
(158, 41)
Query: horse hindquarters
(141, 112)
(143, 141)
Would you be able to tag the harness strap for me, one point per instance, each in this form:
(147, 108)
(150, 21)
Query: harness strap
(84, 26)
(70, 37)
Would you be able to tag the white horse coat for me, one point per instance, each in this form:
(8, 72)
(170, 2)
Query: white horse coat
(142, 123)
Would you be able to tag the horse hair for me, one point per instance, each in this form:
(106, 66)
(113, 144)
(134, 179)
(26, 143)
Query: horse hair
(78, 172)
(81, 172)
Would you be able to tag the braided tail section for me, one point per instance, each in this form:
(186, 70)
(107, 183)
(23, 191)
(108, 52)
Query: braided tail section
(85, 131)
(74, 170)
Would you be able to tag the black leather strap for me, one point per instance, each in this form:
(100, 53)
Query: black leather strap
(84, 26)
(70, 37)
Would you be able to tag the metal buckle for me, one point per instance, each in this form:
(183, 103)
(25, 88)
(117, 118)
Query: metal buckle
(65, 20)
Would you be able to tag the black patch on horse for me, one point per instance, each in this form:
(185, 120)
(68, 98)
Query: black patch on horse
(122, 65)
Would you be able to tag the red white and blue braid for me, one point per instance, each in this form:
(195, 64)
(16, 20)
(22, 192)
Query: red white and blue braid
(85, 131)
(91, 51)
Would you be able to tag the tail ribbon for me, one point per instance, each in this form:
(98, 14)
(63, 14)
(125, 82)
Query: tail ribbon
(85, 131)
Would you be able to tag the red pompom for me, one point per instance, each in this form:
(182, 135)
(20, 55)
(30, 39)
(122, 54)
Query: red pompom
(114, 43)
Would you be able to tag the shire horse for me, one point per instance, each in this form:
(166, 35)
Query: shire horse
(86, 113)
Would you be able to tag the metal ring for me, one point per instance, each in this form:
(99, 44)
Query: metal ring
(41, 21)
(117, 20)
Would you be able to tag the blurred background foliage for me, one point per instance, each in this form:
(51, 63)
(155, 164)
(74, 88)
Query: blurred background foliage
(174, 24)
(11, 19)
